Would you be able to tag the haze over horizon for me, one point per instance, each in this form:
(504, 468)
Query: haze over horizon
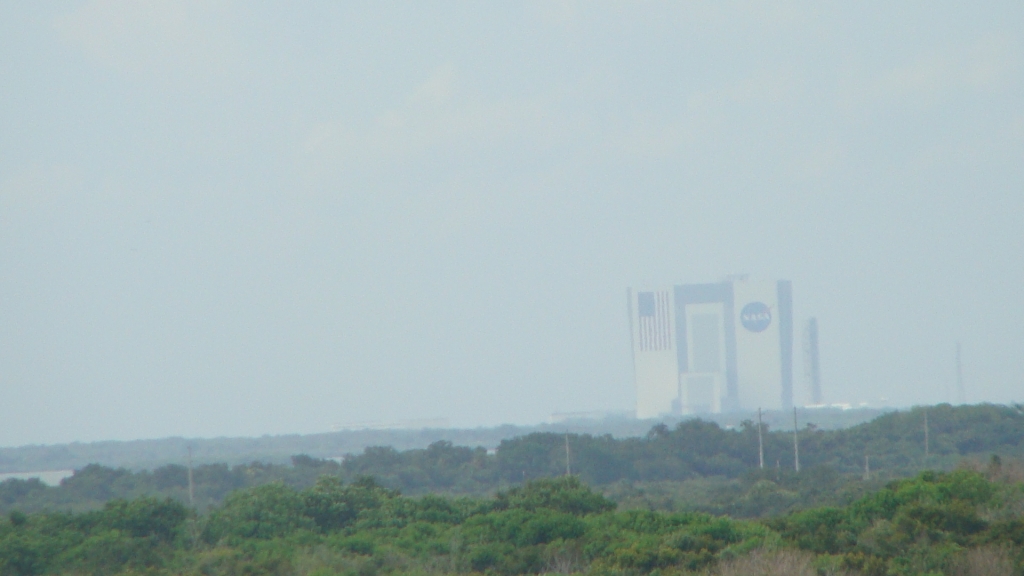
(230, 219)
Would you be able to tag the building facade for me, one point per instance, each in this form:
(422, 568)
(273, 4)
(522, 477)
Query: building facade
(716, 347)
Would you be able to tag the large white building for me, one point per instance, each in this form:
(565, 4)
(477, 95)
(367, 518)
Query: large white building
(716, 347)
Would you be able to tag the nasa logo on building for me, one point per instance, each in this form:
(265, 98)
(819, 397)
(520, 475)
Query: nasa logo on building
(756, 316)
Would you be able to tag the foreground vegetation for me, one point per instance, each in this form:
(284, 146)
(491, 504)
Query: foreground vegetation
(961, 522)
(691, 499)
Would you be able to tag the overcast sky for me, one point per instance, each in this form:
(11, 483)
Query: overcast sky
(242, 218)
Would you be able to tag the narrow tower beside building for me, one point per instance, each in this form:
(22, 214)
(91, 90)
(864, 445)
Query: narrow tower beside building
(812, 366)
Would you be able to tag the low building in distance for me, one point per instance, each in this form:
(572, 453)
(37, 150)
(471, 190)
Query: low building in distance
(711, 348)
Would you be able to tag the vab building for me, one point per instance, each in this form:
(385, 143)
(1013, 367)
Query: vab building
(700, 348)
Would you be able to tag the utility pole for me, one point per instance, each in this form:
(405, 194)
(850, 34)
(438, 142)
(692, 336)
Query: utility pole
(191, 484)
(926, 433)
(568, 468)
(193, 532)
(960, 392)
(760, 441)
(867, 468)
(796, 444)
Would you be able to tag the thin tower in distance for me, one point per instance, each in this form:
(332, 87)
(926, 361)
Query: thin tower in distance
(812, 366)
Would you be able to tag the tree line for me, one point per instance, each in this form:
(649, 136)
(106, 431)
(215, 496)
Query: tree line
(713, 469)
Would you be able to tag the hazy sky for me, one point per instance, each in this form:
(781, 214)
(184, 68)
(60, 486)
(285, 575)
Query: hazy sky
(242, 218)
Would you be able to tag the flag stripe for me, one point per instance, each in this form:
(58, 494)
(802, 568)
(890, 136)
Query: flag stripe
(655, 327)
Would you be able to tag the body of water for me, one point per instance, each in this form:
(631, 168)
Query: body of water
(48, 477)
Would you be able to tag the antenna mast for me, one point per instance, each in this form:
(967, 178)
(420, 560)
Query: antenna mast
(192, 503)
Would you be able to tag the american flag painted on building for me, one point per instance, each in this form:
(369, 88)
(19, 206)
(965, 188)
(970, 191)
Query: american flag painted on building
(655, 330)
